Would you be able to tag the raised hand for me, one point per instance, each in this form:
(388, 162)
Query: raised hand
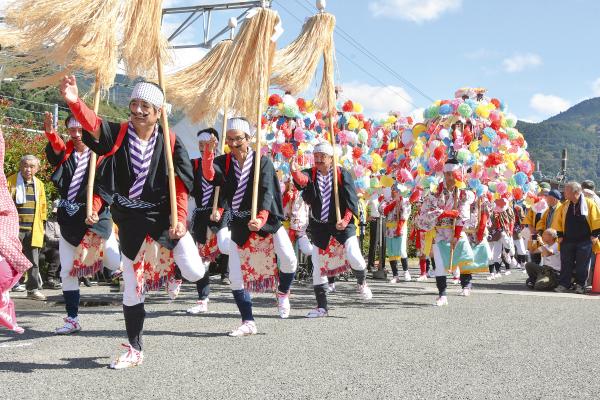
(48, 122)
(68, 89)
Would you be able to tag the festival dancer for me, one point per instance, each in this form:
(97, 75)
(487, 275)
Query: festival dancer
(446, 210)
(250, 242)
(86, 244)
(335, 242)
(203, 228)
(397, 212)
(135, 177)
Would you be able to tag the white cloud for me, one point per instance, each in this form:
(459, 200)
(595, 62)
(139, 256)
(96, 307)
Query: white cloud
(378, 101)
(519, 62)
(413, 10)
(596, 87)
(548, 104)
(183, 58)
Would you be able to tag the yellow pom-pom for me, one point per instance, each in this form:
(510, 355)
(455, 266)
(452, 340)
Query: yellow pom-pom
(391, 146)
(352, 123)
(358, 108)
(226, 149)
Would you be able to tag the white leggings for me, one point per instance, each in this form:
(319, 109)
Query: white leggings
(66, 253)
(498, 247)
(187, 259)
(353, 255)
(305, 246)
(283, 248)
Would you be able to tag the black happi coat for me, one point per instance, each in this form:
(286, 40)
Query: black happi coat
(73, 228)
(321, 232)
(269, 196)
(117, 177)
(201, 217)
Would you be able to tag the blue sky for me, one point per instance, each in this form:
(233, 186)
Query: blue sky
(538, 56)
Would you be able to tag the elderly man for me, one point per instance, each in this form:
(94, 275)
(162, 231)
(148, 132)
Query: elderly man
(335, 241)
(29, 195)
(578, 225)
(134, 178)
(553, 198)
(544, 276)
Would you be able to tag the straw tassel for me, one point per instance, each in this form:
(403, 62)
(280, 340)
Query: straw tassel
(186, 85)
(295, 65)
(238, 79)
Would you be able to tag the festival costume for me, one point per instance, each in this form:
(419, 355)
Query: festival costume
(476, 230)
(439, 210)
(83, 249)
(501, 226)
(134, 177)
(13, 262)
(252, 266)
(397, 212)
(334, 251)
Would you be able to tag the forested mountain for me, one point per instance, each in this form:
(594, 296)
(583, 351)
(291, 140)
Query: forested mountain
(577, 130)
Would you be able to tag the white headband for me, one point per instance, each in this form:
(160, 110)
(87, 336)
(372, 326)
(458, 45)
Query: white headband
(239, 124)
(324, 147)
(148, 92)
(73, 123)
(204, 137)
(451, 167)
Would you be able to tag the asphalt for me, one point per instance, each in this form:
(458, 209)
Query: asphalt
(503, 342)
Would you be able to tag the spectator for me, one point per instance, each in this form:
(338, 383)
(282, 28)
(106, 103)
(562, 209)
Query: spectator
(578, 226)
(50, 252)
(544, 276)
(553, 198)
(30, 198)
(589, 188)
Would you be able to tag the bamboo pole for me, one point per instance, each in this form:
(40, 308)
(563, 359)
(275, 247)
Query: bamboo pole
(167, 139)
(257, 151)
(453, 229)
(93, 158)
(221, 151)
(336, 195)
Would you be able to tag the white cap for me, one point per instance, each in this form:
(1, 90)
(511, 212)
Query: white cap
(149, 92)
(73, 123)
(324, 147)
(239, 124)
(450, 167)
(204, 137)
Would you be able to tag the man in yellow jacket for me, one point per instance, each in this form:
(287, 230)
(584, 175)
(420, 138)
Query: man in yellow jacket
(578, 227)
(30, 198)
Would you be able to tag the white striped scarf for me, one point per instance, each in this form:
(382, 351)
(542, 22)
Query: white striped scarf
(324, 182)
(241, 175)
(207, 190)
(82, 161)
(140, 160)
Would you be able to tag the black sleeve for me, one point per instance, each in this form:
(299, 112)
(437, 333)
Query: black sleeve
(220, 177)
(308, 193)
(104, 183)
(108, 135)
(269, 189)
(52, 157)
(349, 193)
(183, 165)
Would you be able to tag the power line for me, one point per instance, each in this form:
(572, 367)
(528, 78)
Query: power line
(349, 39)
(384, 85)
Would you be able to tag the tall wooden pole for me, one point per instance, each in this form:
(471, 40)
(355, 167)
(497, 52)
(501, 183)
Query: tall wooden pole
(257, 150)
(167, 139)
(222, 150)
(93, 158)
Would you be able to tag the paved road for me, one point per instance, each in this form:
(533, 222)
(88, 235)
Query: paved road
(503, 342)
